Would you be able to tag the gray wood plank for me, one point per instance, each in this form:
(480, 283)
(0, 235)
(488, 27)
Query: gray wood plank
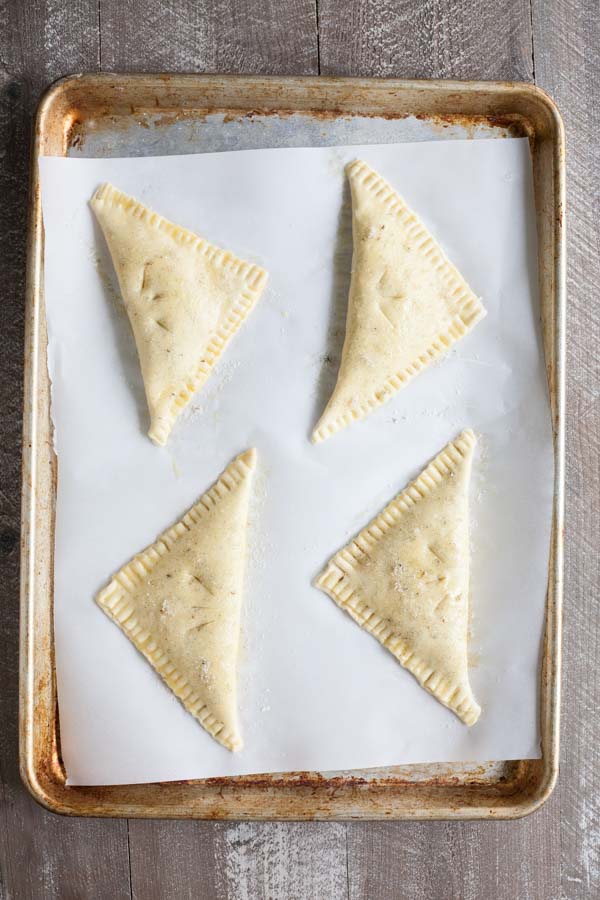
(173, 859)
(41, 855)
(188, 860)
(442, 40)
(291, 861)
(428, 39)
(567, 65)
(251, 36)
(457, 861)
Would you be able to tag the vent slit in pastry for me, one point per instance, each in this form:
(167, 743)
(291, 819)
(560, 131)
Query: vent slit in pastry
(185, 299)
(407, 303)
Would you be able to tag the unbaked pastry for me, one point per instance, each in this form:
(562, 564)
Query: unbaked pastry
(407, 303)
(405, 577)
(185, 298)
(179, 601)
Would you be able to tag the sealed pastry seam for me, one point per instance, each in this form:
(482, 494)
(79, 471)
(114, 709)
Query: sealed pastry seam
(252, 279)
(113, 601)
(467, 309)
(335, 580)
(116, 598)
(255, 276)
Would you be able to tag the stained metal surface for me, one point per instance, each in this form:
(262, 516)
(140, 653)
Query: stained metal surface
(140, 115)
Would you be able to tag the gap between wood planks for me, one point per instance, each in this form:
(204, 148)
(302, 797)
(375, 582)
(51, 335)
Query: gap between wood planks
(319, 36)
(532, 41)
(128, 841)
(99, 36)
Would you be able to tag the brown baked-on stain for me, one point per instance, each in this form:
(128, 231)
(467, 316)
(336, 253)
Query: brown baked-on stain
(476, 776)
(74, 133)
(514, 125)
(47, 756)
(46, 752)
(290, 779)
(234, 115)
(75, 129)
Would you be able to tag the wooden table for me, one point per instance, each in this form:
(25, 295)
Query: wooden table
(553, 854)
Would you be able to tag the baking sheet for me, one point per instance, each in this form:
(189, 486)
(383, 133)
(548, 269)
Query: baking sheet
(316, 691)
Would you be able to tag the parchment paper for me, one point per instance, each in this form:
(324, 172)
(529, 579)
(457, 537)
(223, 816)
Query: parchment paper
(316, 692)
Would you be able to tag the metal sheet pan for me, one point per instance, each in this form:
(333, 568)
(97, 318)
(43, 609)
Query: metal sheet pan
(118, 115)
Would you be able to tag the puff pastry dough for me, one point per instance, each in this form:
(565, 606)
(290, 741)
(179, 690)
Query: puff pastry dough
(407, 303)
(179, 601)
(405, 578)
(185, 299)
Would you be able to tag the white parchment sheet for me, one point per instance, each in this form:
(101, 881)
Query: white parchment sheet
(316, 692)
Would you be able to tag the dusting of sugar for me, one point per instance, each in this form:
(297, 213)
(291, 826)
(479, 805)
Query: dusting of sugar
(272, 300)
(479, 485)
(476, 360)
(258, 546)
(165, 609)
(398, 573)
(211, 391)
(205, 672)
(370, 362)
(258, 552)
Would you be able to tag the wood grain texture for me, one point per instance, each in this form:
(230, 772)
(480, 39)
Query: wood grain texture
(456, 861)
(551, 855)
(173, 859)
(294, 861)
(567, 64)
(264, 37)
(41, 855)
(239, 861)
(428, 39)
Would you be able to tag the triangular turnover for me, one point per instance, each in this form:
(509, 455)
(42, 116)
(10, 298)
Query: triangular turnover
(185, 299)
(405, 577)
(407, 304)
(179, 601)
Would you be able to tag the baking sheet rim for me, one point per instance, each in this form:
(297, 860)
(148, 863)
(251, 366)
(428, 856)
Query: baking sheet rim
(30, 709)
